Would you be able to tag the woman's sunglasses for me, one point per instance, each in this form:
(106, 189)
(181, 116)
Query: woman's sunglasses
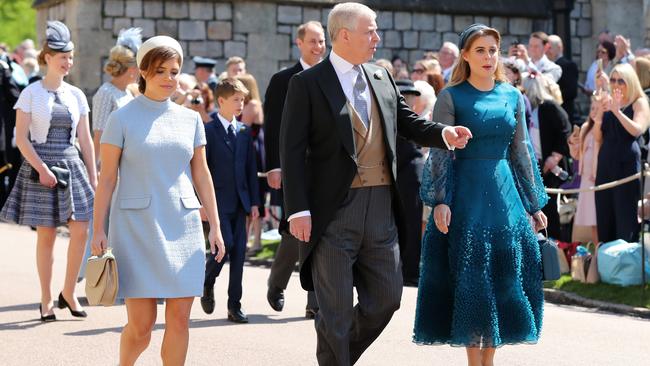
(418, 71)
(620, 82)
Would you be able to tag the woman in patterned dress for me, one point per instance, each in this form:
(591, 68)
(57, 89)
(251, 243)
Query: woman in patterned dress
(49, 114)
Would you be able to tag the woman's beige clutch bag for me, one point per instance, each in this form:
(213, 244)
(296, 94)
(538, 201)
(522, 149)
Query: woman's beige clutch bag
(101, 279)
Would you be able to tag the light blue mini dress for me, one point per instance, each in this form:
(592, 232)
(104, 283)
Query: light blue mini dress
(155, 228)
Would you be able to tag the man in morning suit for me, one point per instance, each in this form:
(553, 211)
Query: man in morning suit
(310, 40)
(231, 159)
(337, 153)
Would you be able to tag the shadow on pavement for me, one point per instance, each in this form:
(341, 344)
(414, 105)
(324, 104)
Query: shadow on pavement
(32, 323)
(203, 323)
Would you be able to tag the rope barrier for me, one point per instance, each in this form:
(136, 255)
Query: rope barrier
(599, 187)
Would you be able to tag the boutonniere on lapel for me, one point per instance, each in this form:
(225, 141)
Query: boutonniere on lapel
(377, 75)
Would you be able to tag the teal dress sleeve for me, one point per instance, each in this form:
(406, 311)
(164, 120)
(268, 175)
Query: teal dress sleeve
(437, 183)
(523, 164)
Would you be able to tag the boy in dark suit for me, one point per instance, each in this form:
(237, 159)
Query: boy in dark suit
(231, 160)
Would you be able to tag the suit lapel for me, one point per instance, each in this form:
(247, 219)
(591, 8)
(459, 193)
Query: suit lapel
(332, 90)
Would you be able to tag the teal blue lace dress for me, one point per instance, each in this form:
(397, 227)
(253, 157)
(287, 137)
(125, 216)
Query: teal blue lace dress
(481, 284)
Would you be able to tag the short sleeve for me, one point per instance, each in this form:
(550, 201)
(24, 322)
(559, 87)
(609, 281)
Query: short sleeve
(102, 108)
(114, 132)
(24, 102)
(82, 101)
(199, 133)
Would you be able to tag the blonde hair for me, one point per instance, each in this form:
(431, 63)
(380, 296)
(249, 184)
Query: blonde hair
(642, 66)
(536, 90)
(462, 71)
(234, 60)
(251, 85)
(627, 73)
(119, 61)
(346, 15)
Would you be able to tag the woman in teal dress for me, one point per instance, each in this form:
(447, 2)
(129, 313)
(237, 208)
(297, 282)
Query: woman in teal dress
(481, 279)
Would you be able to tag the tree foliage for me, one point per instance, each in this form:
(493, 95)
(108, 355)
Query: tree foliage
(17, 21)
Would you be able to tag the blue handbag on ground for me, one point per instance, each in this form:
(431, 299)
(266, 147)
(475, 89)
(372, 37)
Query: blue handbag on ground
(550, 259)
(619, 263)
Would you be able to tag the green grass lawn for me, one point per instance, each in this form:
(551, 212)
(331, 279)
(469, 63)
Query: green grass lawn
(631, 295)
(269, 247)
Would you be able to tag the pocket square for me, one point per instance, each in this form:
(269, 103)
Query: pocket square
(378, 75)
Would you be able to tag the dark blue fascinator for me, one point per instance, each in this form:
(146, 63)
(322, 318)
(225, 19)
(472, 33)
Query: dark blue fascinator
(57, 37)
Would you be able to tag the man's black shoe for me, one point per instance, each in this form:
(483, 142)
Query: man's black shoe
(207, 300)
(275, 297)
(237, 316)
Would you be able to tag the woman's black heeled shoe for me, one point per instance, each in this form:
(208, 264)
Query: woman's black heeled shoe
(64, 304)
(45, 318)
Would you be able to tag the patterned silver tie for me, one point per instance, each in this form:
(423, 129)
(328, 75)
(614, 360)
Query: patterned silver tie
(360, 104)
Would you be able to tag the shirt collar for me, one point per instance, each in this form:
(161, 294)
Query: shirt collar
(225, 123)
(341, 65)
(304, 65)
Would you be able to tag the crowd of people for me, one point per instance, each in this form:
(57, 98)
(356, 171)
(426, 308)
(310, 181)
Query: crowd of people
(189, 164)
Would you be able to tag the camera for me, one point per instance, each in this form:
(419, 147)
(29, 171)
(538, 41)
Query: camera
(196, 101)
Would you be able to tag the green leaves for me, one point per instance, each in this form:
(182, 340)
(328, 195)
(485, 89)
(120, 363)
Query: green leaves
(17, 21)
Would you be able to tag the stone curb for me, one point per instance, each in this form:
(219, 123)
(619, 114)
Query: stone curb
(567, 298)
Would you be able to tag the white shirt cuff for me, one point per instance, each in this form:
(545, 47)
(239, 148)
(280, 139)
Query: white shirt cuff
(445, 140)
(299, 214)
(274, 170)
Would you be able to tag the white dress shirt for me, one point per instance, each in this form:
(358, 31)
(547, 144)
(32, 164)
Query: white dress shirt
(546, 67)
(225, 123)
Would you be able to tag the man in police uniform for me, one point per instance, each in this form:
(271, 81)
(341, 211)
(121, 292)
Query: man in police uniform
(204, 71)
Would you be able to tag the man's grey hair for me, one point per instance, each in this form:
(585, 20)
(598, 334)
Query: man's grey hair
(346, 15)
(452, 46)
(555, 41)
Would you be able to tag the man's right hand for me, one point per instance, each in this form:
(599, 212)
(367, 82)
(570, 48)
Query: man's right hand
(300, 228)
(274, 179)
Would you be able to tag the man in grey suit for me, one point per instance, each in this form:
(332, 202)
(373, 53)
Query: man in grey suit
(337, 152)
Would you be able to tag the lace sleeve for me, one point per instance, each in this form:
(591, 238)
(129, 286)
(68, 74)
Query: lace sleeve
(524, 166)
(436, 185)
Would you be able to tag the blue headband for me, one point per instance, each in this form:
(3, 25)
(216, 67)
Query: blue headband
(468, 32)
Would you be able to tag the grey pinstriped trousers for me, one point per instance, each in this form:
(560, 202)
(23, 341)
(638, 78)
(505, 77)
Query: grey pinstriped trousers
(359, 248)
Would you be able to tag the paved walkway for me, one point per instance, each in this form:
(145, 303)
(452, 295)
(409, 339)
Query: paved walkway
(571, 337)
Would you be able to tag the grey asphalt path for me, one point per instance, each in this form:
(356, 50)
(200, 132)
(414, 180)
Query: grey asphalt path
(571, 336)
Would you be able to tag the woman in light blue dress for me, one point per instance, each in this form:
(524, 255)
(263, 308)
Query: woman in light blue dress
(481, 279)
(155, 230)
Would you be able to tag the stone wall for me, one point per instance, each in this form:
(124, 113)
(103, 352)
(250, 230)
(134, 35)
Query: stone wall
(262, 31)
